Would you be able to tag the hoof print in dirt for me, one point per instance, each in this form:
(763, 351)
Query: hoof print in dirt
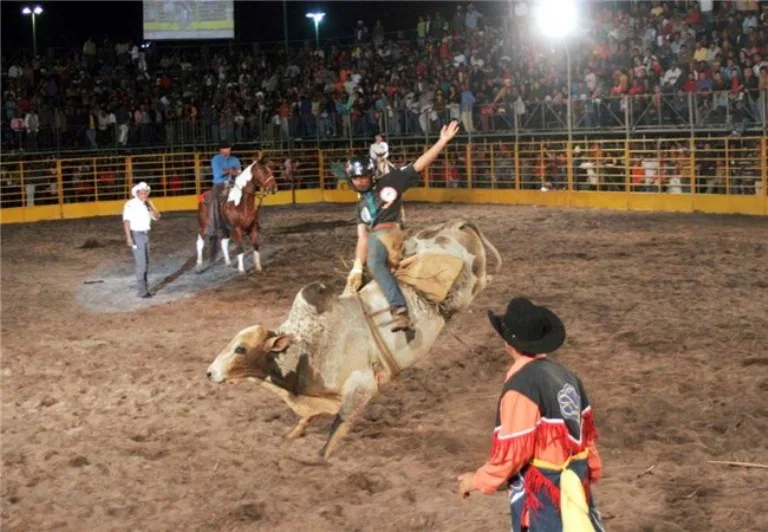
(79, 461)
(250, 512)
(91, 243)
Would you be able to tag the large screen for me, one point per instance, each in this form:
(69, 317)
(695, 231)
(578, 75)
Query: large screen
(189, 19)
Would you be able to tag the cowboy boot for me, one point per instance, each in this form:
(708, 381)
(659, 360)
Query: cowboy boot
(401, 321)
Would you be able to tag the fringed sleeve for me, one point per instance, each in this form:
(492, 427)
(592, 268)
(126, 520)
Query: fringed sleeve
(512, 444)
(589, 434)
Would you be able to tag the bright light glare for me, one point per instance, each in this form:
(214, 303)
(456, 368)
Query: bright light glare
(557, 18)
(26, 10)
(317, 17)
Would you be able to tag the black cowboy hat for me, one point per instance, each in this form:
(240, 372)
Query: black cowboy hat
(529, 328)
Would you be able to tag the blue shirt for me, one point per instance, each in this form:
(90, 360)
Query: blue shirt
(219, 163)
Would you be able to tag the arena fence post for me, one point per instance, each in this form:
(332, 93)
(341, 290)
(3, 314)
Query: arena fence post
(517, 165)
(569, 164)
(59, 187)
(163, 178)
(197, 174)
(95, 180)
(468, 158)
(727, 167)
(764, 172)
(321, 168)
(627, 166)
(22, 185)
(128, 175)
(493, 167)
(692, 149)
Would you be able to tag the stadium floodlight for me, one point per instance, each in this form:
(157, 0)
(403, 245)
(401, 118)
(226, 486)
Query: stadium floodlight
(559, 19)
(316, 18)
(34, 11)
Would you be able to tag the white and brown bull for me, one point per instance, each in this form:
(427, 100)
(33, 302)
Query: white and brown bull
(331, 354)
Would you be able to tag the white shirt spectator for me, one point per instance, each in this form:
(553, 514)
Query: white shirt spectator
(15, 72)
(671, 76)
(32, 122)
(379, 149)
(706, 6)
(651, 167)
(591, 81)
(750, 21)
(137, 213)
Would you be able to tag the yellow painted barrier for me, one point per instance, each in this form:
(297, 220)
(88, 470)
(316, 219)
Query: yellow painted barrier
(715, 175)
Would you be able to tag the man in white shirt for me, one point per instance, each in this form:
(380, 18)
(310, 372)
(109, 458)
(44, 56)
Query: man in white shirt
(379, 154)
(138, 214)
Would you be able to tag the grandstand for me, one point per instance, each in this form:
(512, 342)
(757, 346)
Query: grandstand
(677, 89)
(638, 68)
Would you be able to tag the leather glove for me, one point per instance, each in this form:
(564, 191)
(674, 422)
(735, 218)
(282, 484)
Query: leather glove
(355, 277)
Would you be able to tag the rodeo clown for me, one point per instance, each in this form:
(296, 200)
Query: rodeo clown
(543, 445)
(379, 229)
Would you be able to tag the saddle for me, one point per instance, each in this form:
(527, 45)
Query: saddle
(204, 196)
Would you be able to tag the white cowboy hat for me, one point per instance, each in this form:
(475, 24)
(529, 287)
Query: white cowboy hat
(138, 188)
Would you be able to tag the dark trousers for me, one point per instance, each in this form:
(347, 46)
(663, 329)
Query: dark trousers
(141, 256)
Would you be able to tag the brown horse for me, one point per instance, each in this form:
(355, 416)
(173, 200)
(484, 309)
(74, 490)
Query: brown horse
(240, 212)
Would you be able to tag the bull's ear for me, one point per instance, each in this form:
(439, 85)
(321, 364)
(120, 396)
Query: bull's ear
(279, 343)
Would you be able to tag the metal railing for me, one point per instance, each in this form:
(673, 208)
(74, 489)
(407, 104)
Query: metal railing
(692, 113)
(716, 166)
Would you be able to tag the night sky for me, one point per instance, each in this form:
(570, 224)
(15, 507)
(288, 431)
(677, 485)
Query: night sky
(68, 24)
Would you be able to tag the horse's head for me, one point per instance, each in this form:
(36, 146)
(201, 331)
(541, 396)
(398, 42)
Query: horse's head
(258, 173)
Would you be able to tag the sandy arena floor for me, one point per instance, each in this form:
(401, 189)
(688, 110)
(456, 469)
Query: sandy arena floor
(108, 421)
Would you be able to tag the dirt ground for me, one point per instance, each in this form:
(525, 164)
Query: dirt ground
(108, 421)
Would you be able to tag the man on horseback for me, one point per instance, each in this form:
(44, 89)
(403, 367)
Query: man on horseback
(225, 167)
(379, 231)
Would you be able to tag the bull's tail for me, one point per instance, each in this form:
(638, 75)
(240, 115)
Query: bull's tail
(485, 241)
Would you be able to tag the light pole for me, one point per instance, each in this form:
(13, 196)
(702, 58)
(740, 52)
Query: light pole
(316, 17)
(558, 19)
(34, 11)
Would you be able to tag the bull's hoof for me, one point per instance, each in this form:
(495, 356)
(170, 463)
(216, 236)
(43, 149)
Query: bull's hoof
(200, 269)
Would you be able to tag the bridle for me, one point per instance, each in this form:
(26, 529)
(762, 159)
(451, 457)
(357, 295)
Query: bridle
(261, 194)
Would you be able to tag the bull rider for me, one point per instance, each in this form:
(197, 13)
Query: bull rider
(379, 229)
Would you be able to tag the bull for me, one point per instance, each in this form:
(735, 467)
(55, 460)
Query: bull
(332, 354)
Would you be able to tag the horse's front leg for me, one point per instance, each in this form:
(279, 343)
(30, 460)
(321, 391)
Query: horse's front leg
(237, 234)
(225, 250)
(253, 236)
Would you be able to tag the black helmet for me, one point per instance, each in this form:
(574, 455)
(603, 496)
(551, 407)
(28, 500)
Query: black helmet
(360, 166)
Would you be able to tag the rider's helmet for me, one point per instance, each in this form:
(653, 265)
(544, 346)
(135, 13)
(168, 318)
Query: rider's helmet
(360, 166)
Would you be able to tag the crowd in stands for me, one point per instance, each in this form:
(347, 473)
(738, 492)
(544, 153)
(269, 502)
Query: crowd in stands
(659, 64)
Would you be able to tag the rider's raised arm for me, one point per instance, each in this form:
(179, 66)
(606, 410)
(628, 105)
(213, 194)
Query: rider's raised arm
(446, 135)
